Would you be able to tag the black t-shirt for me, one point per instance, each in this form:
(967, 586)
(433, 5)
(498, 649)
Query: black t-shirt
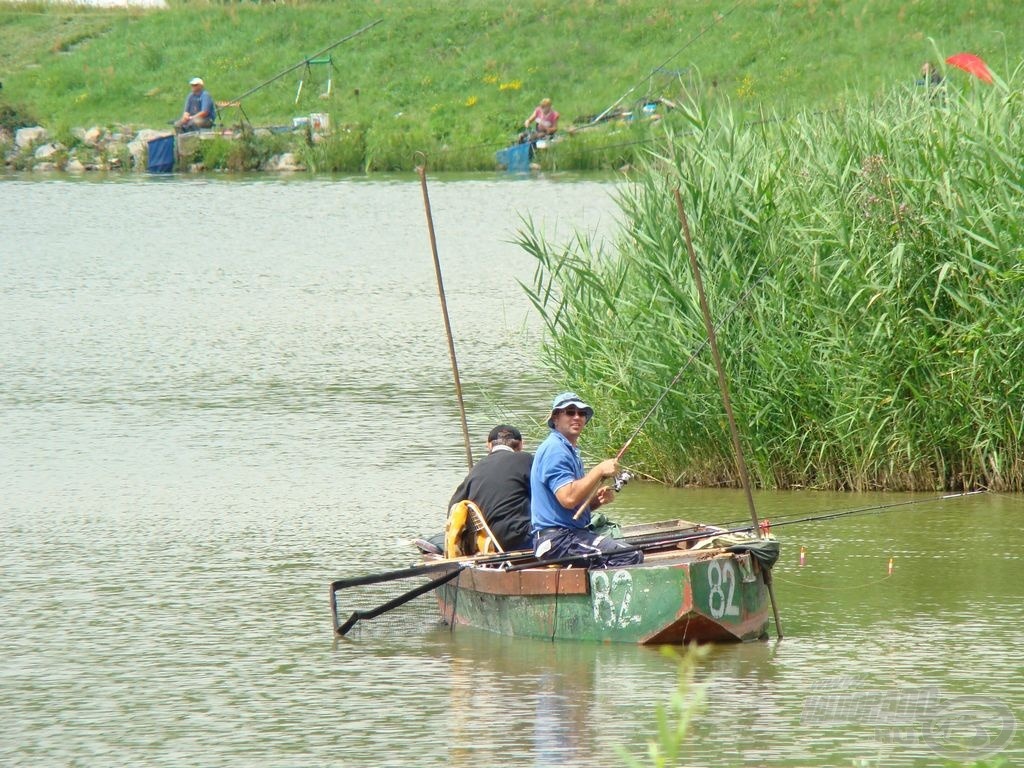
(500, 485)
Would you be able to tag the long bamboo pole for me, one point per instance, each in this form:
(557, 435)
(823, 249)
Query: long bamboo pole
(422, 170)
(726, 401)
(719, 17)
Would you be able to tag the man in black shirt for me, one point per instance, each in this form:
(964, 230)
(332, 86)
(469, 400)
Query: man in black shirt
(500, 485)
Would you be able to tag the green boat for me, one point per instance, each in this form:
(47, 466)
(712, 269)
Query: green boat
(697, 583)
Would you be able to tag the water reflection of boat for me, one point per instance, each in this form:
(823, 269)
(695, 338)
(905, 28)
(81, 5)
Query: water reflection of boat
(559, 704)
(696, 583)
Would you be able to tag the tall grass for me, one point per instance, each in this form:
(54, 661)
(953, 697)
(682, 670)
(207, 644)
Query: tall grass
(881, 346)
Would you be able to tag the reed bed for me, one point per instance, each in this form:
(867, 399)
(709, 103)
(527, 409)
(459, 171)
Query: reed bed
(880, 345)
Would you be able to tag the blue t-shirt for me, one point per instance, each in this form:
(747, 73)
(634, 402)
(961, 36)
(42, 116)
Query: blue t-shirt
(201, 102)
(556, 463)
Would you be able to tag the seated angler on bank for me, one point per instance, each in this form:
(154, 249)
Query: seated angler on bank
(199, 111)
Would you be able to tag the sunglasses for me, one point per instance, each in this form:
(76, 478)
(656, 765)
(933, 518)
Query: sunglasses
(572, 412)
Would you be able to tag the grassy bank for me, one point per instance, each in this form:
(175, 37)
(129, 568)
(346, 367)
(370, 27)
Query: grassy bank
(457, 79)
(880, 345)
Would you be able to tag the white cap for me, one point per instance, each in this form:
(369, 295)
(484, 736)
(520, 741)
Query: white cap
(196, 81)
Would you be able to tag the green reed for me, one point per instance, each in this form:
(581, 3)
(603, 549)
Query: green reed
(881, 346)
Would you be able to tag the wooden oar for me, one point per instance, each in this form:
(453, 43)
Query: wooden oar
(426, 569)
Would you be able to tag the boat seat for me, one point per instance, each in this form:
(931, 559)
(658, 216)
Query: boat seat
(466, 532)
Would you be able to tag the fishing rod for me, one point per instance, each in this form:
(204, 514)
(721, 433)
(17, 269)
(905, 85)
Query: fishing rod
(675, 379)
(699, 531)
(236, 102)
(444, 571)
(687, 44)
(859, 510)
(693, 356)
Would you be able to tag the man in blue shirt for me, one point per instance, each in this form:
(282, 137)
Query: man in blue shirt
(559, 486)
(199, 109)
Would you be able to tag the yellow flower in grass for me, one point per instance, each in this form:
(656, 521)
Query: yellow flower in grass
(471, 101)
(512, 85)
(746, 89)
(491, 79)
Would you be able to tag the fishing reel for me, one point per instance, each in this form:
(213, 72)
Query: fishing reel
(620, 480)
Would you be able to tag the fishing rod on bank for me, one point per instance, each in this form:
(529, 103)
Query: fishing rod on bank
(237, 101)
(718, 19)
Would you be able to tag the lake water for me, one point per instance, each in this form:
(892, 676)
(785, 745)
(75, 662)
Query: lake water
(217, 396)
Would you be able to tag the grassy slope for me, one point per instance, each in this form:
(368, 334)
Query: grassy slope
(421, 67)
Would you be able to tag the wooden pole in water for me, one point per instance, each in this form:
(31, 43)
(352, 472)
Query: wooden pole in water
(422, 170)
(724, 386)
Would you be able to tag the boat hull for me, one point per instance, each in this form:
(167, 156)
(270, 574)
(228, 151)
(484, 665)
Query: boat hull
(713, 596)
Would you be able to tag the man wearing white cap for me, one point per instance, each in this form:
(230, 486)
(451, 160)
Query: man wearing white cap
(199, 109)
(559, 486)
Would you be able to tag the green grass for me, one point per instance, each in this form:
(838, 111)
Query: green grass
(458, 79)
(881, 343)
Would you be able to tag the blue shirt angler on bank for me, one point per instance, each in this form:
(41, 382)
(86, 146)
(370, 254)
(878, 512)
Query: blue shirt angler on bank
(559, 485)
(199, 111)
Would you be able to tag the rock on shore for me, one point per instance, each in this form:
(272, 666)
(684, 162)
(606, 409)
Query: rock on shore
(100, 149)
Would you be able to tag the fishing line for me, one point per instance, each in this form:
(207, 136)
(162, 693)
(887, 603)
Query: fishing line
(804, 585)
(700, 348)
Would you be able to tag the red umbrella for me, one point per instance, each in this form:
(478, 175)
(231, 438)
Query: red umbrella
(968, 62)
